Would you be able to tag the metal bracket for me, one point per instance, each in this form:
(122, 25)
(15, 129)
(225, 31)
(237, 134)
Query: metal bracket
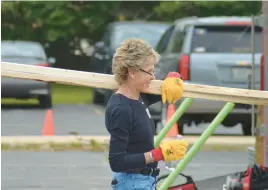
(251, 155)
(259, 21)
(260, 131)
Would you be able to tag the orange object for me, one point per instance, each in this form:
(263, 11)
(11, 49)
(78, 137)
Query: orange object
(174, 131)
(48, 128)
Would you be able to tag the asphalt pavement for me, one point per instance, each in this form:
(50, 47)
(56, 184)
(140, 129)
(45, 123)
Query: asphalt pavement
(29, 120)
(90, 171)
(69, 119)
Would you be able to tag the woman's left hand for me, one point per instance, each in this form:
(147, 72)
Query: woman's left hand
(172, 88)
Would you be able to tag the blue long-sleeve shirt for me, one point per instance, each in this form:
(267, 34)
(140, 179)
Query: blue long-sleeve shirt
(131, 131)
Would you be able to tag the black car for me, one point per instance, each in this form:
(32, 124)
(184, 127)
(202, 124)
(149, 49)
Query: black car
(114, 34)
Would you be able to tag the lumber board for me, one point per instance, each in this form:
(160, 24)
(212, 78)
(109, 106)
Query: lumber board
(105, 81)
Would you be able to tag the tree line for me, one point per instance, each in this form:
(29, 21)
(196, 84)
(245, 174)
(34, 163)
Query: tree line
(62, 24)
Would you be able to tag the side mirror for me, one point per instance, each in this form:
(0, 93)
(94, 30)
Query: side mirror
(51, 60)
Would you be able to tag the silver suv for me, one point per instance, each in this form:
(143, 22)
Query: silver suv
(212, 51)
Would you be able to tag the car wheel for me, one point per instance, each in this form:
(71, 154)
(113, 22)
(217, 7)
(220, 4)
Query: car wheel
(45, 101)
(180, 127)
(246, 129)
(107, 96)
(180, 123)
(97, 98)
(246, 126)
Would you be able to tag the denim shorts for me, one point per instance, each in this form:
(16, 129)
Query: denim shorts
(128, 181)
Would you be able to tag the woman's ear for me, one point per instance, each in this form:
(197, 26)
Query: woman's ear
(132, 73)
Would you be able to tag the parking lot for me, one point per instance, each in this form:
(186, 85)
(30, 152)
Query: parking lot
(89, 170)
(28, 120)
(72, 119)
(207, 47)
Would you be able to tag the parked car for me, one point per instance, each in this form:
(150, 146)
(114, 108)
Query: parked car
(30, 53)
(211, 51)
(114, 34)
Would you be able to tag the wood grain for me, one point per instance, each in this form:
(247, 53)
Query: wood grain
(105, 81)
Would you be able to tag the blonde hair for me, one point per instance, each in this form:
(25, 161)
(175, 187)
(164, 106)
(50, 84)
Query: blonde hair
(132, 53)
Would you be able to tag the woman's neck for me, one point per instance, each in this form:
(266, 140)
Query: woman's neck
(129, 92)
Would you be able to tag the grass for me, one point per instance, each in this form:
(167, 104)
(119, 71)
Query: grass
(61, 94)
(66, 94)
(95, 146)
(56, 147)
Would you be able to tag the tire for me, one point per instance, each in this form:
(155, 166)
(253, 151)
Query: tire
(246, 126)
(107, 96)
(246, 129)
(45, 101)
(180, 123)
(97, 98)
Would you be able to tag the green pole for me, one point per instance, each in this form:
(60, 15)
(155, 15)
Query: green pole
(175, 117)
(197, 145)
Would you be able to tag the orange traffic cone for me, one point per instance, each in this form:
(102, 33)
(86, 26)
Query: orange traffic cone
(174, 131)
(48, 128)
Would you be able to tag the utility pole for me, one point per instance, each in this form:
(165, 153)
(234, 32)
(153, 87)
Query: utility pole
(265, 77)
(259, 153)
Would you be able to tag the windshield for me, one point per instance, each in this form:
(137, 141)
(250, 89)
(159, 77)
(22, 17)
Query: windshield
(148, 32)
(9, 49)
(225, 39)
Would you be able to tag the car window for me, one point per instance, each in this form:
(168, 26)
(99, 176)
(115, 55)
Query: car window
(178, 41)
(163, 42)
(148, 32)
(106, 36)
(225, 39)
(22, 50)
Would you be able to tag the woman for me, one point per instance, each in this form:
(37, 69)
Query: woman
(132, 156)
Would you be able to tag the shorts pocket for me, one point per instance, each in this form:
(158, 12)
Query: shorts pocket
(143, 182)
(118, 183)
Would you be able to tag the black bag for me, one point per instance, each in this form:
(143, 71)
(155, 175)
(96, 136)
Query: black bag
(258, 179)
(188, 185)
(254, 178)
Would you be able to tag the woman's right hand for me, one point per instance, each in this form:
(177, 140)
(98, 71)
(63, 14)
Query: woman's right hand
(171, 150)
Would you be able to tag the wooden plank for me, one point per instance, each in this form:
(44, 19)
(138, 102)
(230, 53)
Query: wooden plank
(265, 79)
(105, 81)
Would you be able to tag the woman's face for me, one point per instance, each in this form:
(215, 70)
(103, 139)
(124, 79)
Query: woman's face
(145, 75)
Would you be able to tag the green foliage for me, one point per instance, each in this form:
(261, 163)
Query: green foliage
(176, 9)
(66, 20)
(61, 94)
(49, 21)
